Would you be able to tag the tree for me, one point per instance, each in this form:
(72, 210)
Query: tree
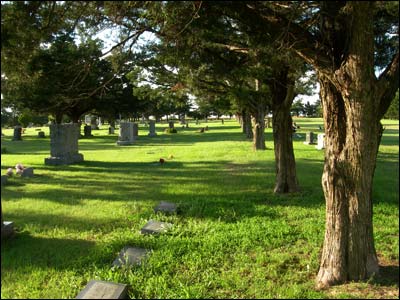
(337, 39)
(297, 108)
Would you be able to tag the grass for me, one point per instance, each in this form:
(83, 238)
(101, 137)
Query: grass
(233, 238)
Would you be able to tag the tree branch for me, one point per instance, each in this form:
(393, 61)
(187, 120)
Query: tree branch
(388, 84)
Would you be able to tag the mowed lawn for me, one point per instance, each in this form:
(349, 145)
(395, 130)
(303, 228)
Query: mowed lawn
(233, 238)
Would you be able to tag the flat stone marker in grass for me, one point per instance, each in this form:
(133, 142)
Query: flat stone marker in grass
(97, 289)
(155, 227)
(165, 207)
(130, 256)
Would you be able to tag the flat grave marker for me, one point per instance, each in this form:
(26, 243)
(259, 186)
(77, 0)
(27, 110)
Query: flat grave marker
(155, 227)
(165, 207)
(130, 256)
(97, 289)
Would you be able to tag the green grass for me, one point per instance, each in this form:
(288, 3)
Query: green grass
(233, 238)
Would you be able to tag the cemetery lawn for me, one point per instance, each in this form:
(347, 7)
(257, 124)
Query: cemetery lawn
(233, 238)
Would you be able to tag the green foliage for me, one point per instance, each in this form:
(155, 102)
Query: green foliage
(233, 238)
(393, 111)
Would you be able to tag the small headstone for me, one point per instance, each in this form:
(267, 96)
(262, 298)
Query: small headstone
(321, 141)
(41, 134)
(309, 138)
(87, 131)
(201, 130)
(206, 128)
(155, 227)
(165, 207)
(125, 134)
(4, 179)
(7, 229)
(110, 130)
(171, 124)
(97, 289)
(130, 256)
(27, 172)
(135, 130)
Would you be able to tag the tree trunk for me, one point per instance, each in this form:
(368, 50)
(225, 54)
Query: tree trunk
(351, 100)
(286, 178)
(248, 130)
(257, 119)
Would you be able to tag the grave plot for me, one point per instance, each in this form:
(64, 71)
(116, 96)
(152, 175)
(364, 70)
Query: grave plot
(97, 289)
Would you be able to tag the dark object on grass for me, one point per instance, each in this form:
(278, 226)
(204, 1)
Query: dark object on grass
(162, 160)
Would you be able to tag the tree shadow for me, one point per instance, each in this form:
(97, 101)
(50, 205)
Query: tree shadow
(25, 250)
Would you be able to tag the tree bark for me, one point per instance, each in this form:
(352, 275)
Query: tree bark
(257, 120)
(247, 125)
(285, 163)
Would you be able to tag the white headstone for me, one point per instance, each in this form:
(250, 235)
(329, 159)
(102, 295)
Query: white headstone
(321, 141)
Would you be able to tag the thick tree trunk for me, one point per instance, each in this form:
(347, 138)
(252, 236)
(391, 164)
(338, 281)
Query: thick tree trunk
(257, 119)
(286, 179)
(350, 159)
(248, 130)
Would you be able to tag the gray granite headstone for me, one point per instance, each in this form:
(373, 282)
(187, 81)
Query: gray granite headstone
(152, 128)
(130, 256)
(309, 138)
(111, 130)
(64, 144)
(125, 134)
(135, 131)
(97, 289)
(27, 172)
(155, 227)
(165, 207)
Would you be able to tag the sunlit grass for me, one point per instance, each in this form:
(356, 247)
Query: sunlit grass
(232, 239)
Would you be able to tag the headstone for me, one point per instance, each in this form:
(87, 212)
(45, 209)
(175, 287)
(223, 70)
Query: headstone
(321, 141)
(87, 131)
(97, 289)
(206, 128)
(27, 172)
(222, 121)
(171, 124)
(309, 138)
(125, 134)
(4, 179)
(130, 256)
(152, 128)
(64, 144)
(99, 123)
(110, 130)
(93, 123)
(88, 118)
(135, 131)
(197, 122)
(17, 133)
(7, 229)
(165, 207)
(41, 134)
(155, 227)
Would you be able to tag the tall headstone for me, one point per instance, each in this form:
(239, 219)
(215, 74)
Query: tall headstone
(321, 141)
(87, 131)
(171, 124)
(125, 134)
(111, 130)
(17, 133)
(152, 128)
(309, 138)
(135, 131)
(64, 144)
(88, 119)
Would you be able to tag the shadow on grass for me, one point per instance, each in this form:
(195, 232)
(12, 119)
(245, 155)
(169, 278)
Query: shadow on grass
(24, 250)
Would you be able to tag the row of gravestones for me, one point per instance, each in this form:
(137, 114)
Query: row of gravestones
(310, 140)
(129, 256)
